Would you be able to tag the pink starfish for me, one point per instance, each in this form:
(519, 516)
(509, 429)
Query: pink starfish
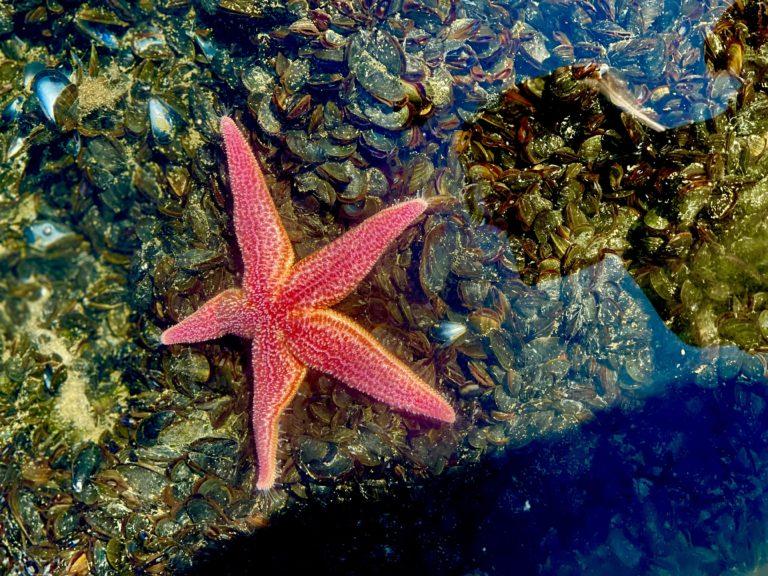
(283, 308)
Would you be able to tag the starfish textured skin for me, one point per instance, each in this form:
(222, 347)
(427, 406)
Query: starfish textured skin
(284, 309)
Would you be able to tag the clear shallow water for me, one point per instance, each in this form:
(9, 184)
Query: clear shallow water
(590, 439)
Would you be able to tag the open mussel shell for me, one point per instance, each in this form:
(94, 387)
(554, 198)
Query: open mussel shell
(57, 98)
(12, 110)
(447, 332)
(164, 121)
(51, 239)
(31, 69)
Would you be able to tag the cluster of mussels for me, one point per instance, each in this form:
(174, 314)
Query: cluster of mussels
(571, 178)
(119, 454)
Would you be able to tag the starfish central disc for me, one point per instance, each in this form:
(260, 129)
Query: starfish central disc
(284, 308)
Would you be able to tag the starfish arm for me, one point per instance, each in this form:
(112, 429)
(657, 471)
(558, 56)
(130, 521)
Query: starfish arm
(276, 378)
(264, 244)
(221, 315)
(327, 276)
(330, 342)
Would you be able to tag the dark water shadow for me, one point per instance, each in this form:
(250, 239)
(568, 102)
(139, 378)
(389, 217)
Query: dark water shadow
(679, 484)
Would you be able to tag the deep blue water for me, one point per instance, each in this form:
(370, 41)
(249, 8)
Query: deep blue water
(678, 485)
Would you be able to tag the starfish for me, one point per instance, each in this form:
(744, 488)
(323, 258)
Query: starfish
(284, 309)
